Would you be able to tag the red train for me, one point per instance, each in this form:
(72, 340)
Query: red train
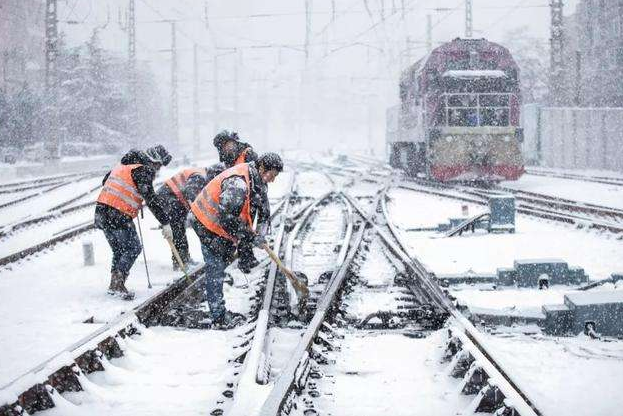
(458, 117)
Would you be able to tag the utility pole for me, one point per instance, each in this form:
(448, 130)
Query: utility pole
(578, 78)
(174, 107)
(468, 19)
(132, 43)
(307, 29)
(196, 135)
(556, 52)
(332, 10)
(51, 41)
(429, 33)
(132, 64)
(52, 144)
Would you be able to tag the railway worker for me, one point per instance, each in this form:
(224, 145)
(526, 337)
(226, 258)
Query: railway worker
(222, 218)
(178, 192)
(231, 152)
(119, 202)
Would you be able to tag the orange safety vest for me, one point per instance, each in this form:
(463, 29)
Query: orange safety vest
(205, 206)
(178, 181)
(242, 156)
(120, 191)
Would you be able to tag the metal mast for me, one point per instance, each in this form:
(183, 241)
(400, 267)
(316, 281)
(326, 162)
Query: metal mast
(307, 28)
(556, 52)
(132, 67)
(468, 19)
(52, 144)
(51, 41)
(131, 42)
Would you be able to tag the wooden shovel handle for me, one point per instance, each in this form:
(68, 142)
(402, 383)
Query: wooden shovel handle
(178, 258)
(295, 282)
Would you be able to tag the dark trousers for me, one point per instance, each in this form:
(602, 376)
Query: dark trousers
(178, 226)
(215, 275)
(125, 247)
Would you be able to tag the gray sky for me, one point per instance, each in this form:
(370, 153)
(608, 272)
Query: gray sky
(336, 99)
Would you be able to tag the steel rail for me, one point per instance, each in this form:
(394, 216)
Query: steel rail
(253, 386)
(32, 390)
(253, 368)
(83, 356)
(509, 386)
(586, 178)
(28, 187)
(560, 204)
(296, 368)
(50, 179)
(293, 235)
(533, 211)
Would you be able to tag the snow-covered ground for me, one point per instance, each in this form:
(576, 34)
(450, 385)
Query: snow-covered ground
(598, 253)
(40, 204)
(385, 373)
(577, 190)
(565, 376)
(47, 297)
(154, 378)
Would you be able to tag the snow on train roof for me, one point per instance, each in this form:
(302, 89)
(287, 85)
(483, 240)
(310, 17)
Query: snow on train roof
(474, 73)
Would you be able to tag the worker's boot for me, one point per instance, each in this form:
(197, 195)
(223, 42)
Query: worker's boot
(117, 287)
(127, 294)
(115, 282)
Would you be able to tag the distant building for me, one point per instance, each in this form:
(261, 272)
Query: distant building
(21, 43)
(593, 55)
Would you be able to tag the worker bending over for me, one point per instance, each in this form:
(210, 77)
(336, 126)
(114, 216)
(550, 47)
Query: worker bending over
(222, 218)
(232, 152)
(177, 193)
(119, 202)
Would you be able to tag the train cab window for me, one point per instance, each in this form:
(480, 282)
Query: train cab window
(467, 117)
(494, 117)
(494, 100)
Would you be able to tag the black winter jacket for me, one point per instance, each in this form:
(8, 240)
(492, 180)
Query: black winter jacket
(233, 195)
(174, 208)
(107, 217)
(251, 156)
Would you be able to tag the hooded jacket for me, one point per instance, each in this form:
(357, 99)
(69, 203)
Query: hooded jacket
(233, 195)
(107, 217)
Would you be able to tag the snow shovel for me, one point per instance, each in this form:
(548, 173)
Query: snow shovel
(178, 258)
(298, 280)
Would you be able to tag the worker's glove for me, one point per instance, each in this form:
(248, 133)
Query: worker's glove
(259, 240)
(167, 232)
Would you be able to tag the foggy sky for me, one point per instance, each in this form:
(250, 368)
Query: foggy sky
(337, 99)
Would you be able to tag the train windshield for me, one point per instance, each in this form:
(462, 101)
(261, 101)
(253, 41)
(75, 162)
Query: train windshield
(471, 110)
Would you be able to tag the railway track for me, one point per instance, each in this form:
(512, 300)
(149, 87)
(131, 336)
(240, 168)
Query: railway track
(48, 187)
(316, 379)
(61, 223)
(58, 380)
(377, 326)
(581, 215)
(575, 176)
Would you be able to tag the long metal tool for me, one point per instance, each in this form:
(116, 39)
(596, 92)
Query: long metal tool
(140, 233)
